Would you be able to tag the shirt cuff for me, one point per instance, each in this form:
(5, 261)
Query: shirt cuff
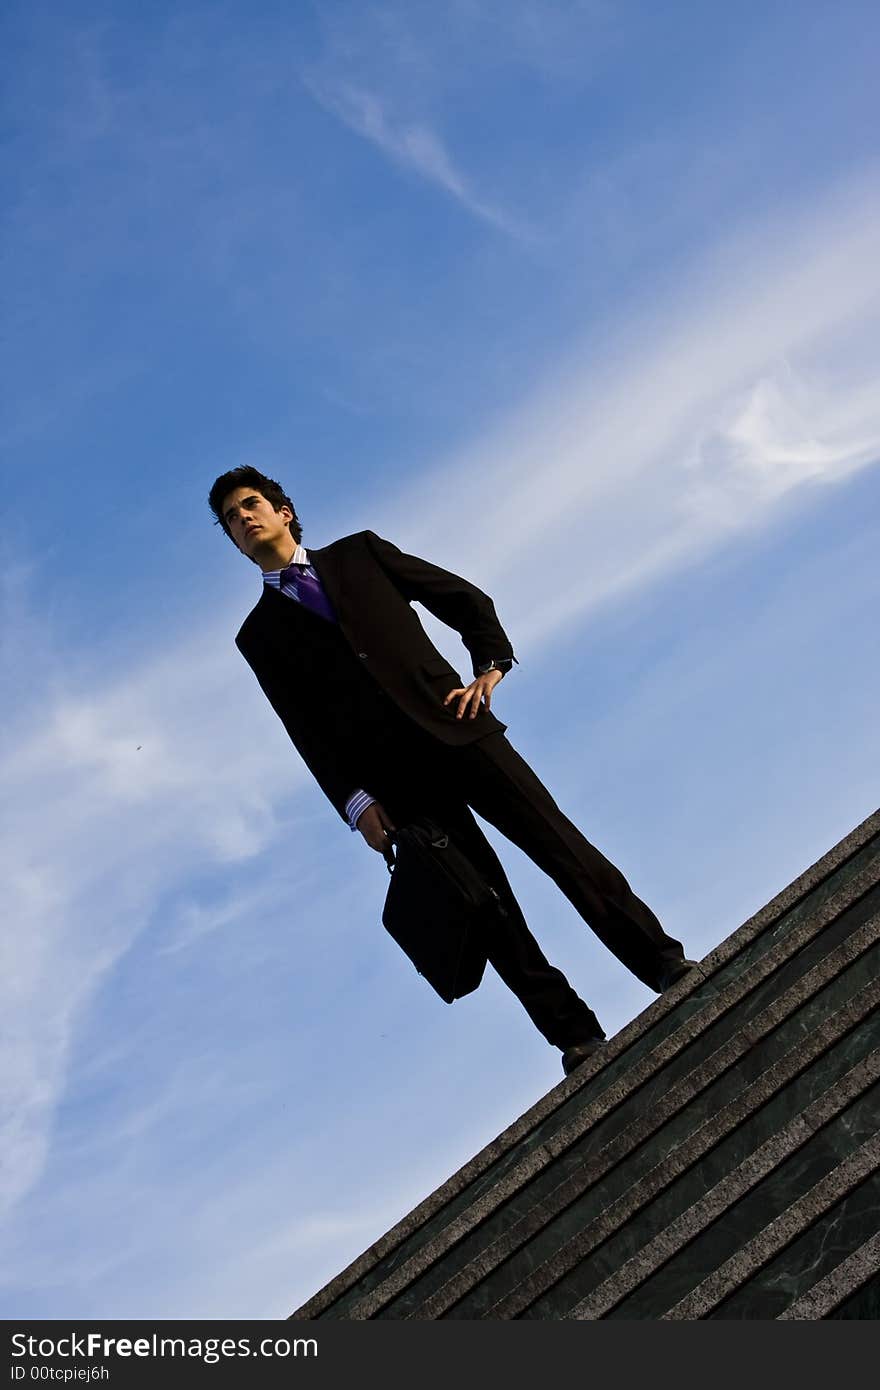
(355, 806)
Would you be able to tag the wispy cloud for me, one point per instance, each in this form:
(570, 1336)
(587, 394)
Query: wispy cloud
(398, 72)
(681, 425)
(412, 145)
(121, 789)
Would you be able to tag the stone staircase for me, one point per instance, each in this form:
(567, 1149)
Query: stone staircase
(719, 1160)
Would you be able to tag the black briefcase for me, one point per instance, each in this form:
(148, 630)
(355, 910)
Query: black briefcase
(438, 908)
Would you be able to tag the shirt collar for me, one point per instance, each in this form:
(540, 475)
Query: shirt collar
(273, 577)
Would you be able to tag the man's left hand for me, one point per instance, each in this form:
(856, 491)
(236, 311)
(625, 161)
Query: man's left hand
(477, 695)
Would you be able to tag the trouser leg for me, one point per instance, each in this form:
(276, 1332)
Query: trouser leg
(544, 992)
(503, 789)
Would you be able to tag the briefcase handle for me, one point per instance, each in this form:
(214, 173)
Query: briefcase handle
(388, 850)
(441, 842)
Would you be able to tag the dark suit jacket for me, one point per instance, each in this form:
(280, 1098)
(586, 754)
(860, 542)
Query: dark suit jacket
(331, 686)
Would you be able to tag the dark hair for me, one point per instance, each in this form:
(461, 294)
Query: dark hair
(245, 476)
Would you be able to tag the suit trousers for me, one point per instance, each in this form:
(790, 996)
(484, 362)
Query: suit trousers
(415, 774)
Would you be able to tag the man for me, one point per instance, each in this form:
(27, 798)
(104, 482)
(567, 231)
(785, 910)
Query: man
(390, 731)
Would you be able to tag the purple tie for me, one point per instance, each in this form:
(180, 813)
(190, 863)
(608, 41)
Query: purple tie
(309, 590)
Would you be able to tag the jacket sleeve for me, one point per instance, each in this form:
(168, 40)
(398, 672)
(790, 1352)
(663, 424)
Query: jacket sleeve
(455, 601)
(323, 763)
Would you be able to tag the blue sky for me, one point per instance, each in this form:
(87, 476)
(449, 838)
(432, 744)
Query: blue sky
(600, 280)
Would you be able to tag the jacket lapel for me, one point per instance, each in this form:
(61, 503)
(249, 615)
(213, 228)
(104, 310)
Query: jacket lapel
(273, 605)
(326, 568)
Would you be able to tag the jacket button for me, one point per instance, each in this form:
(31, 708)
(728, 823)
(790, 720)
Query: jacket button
(362, 655)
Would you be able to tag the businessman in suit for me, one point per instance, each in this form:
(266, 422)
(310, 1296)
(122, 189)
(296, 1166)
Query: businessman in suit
(390, 731)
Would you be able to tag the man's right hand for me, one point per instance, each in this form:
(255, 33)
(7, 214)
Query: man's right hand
(373, 824)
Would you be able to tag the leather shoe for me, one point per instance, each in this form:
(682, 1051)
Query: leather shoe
(673, 973)
(579, 1053)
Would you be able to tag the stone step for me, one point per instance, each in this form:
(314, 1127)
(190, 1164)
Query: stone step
(773, 1024)
(611, 1223)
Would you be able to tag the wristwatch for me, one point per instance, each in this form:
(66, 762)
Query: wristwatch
(503, 664)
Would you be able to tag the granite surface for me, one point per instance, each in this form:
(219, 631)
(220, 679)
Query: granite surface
(819, 1258)
(546, 1230)
(838, 1222)
(606, 1136)
(718, 1184)
(533, 1175)
(646, 1088)
(832, 1296)
(863, 1302)
(702, 1194)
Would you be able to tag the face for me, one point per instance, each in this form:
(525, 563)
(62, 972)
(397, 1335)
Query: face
(254, 523)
